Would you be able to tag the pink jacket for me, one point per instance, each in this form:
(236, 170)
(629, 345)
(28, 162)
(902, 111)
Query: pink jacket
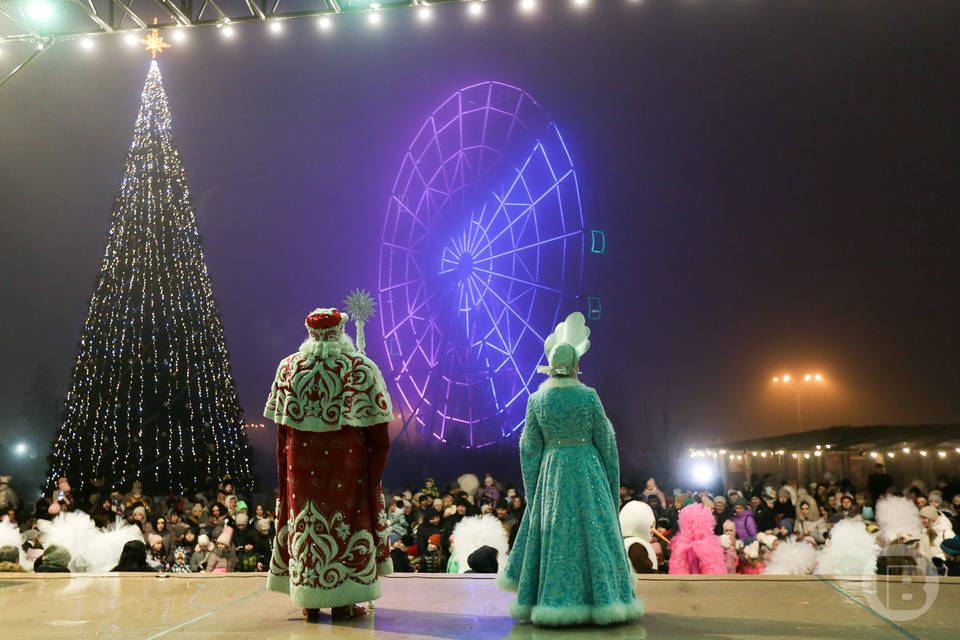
(695, 549)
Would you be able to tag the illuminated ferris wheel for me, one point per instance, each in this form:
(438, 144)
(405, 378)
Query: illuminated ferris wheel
(481, 255)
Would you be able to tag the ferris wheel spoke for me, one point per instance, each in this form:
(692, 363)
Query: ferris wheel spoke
(527, 209)
(533, 245)
(508, 307)
(535, 285)
(505, 342)
(412, 313)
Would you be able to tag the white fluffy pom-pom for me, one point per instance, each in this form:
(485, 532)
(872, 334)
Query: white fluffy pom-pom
(850, 551)
(91, 550)
(478, 531)
(792, 558)
(898, 517)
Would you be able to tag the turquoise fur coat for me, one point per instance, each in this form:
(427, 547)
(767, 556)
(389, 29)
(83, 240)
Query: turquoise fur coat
(568, 565)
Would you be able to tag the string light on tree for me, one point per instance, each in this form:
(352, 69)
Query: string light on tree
(152, 396)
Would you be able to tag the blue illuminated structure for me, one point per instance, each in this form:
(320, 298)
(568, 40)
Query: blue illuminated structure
(481, 255)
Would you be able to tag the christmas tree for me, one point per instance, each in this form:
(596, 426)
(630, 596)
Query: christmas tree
(152, 397)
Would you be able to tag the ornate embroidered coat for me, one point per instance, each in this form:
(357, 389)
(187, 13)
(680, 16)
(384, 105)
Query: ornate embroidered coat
(331, 408)
(568, 564)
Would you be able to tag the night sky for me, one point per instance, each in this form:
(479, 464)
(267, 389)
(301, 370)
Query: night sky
(778, 182)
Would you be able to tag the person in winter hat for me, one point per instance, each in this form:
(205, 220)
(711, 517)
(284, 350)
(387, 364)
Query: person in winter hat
(490, 491)
(721, 513)
(332, 409)
(695, 549)
(201, 553)
(55, 559)
(636, 523)
(784, 507)
(156, 557)
(848, 507)
(222, 559)
(244, 543)
(743, 520)
(576, 570)
(432, 558)
(750, 563)
(181, 563)
(731, 546)
(809, 524)
(483, 560)
(651, 489)
(10, 560)
(936, 530)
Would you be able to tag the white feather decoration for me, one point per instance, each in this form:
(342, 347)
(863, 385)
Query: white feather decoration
(478, 531)
(851, 551)
(91, 550)
(10, 536)
(792, 558)
(898, 517)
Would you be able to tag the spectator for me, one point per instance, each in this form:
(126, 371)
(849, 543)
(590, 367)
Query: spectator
(784, 507)
(222, 559)
(847, 507)
(430, 526)
(652, 490)
(731, 546)
(721, 513)
(430, 489)
(9, 499)
(244, 543)
(879, 481)
(763, 510)
(490, 493)
(201, 553)
(398, 553)
(743, 520)
(936, 530)
(10, 560)
(180, 563)
(809, 524)
(432, 560)
(156, 556)
(503, 515)
(133, 557)
(263, 543)
(483, 560)
(55, 559)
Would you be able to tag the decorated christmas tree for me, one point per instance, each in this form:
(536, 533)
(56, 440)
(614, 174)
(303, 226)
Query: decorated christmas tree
(152, 397)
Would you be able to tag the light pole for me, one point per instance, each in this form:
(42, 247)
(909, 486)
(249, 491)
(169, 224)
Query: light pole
(789, 381)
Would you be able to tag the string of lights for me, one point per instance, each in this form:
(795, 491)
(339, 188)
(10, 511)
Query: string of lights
(152, 397)
(38, 24)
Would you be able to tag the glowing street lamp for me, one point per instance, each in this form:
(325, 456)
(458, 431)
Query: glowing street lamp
(788, 380)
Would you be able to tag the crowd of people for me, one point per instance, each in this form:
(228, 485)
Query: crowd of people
(215, 531)
(746, 530)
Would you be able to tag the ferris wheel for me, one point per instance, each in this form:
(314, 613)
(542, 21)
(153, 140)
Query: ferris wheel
(481, 255)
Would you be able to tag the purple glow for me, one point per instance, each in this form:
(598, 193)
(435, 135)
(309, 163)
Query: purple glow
(481, 254)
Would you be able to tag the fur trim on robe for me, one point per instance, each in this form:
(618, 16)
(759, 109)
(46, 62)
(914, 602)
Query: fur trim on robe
(695, 549)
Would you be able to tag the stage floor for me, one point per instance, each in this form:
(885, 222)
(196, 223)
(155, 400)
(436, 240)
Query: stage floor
(236, 606)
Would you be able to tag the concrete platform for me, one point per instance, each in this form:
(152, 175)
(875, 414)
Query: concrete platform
(234, 606)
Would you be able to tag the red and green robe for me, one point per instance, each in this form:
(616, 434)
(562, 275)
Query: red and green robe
(332, 444)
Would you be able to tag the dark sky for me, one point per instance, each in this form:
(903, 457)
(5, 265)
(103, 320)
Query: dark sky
(778, 181)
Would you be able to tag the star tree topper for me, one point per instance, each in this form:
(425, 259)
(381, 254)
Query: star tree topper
(154, 42)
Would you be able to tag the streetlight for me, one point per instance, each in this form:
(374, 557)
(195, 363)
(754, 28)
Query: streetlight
(788, 381)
